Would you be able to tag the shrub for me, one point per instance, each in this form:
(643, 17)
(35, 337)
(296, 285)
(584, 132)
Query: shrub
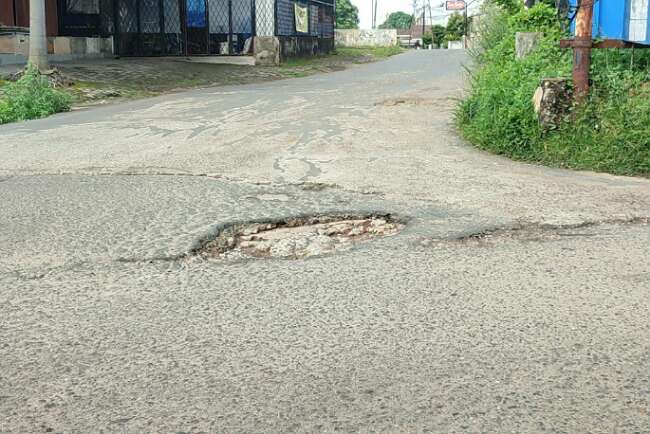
(610, 133)
(31, 97)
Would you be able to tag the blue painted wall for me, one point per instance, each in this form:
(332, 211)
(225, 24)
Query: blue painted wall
(612, 20)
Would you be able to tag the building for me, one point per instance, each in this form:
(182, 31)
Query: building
(268, 29)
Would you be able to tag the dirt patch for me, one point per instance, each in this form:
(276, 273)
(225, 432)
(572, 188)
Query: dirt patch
(298, 237)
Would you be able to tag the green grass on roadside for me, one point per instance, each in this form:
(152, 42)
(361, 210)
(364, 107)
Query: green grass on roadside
(342, 55)
(31, 97)
(611, 133)
(376, 52)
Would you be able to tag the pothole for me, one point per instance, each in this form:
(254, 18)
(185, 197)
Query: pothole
(299, 237)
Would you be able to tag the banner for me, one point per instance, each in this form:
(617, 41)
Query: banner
(455, 5)
(302, 18)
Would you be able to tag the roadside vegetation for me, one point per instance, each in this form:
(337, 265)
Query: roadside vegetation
(610, 133)
(440, 36)
(341, 57)
(30, 97)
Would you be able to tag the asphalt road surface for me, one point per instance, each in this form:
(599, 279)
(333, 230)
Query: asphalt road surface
(515, 299)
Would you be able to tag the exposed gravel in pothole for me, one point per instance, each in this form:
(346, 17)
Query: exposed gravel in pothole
(298, 237)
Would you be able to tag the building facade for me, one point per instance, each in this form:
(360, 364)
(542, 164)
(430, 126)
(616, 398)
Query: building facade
(186, 27)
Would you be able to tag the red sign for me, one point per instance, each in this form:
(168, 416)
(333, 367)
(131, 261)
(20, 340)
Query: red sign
(455, 5)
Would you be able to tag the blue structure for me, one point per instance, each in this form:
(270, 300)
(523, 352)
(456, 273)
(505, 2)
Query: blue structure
(627, 20)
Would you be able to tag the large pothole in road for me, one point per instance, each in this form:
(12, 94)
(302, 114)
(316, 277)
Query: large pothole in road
(299, 237)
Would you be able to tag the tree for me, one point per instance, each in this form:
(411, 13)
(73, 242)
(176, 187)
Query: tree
(509, 5)
(37, 35)
(514, 6)
(438, 34)
(347, 15)
(397, 20)
(455, 27)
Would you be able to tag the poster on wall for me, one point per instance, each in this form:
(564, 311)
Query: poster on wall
(302, 18)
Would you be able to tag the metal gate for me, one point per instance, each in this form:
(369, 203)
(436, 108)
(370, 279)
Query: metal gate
(184, 27)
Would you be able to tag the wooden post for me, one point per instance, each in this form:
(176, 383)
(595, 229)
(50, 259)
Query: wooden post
(582, 50)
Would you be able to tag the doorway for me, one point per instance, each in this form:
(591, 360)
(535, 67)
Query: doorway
(196, 25)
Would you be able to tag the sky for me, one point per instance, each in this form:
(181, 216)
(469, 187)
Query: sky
(385, 7)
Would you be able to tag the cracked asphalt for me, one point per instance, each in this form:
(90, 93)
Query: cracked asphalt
(516, 299)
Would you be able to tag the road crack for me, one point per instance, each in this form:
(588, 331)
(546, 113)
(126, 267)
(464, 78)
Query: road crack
(533, 232)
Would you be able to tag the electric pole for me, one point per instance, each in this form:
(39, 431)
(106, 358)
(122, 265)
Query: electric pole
(37, 35)
(375, 13)
(582, 49)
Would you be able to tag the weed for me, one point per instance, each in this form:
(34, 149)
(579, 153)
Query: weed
(31, 97)
(611, 133)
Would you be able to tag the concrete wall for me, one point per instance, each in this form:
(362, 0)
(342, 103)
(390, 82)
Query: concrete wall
(272, 50)
(14, 48)
(366, 38)
(456, 45)
(303, 46)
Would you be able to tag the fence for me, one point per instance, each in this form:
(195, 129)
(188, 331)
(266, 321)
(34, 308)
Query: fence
(193, 27)
(319, 18)
(187, 27)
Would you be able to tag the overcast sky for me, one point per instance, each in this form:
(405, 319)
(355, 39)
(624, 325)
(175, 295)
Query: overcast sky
(385, 7)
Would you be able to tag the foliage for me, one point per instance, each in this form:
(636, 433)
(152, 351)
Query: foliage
(397, 20)
(456, 27)
(611, 133)
(31, 97)
(347, 15)
(438, 34)
(509, 6)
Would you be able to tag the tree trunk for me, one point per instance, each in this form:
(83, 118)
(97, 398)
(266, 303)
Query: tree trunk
(37, 35)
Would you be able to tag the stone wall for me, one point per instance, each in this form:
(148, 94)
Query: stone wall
(366, 38)
(266, 50)
(14, 48)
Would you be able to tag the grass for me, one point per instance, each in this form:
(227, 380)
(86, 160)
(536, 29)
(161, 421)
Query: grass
(342, 55)
(31, 97)
(611, 133)
(376, 52)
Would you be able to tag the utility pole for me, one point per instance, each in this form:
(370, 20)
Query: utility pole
(424, 22)
(582, 50)
(37, 35)
(465, 20)
(374, 14)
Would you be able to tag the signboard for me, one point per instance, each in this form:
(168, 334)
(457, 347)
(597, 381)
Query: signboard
(455, 5)
(302, 18)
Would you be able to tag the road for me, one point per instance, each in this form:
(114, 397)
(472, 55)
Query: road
(516, 298)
